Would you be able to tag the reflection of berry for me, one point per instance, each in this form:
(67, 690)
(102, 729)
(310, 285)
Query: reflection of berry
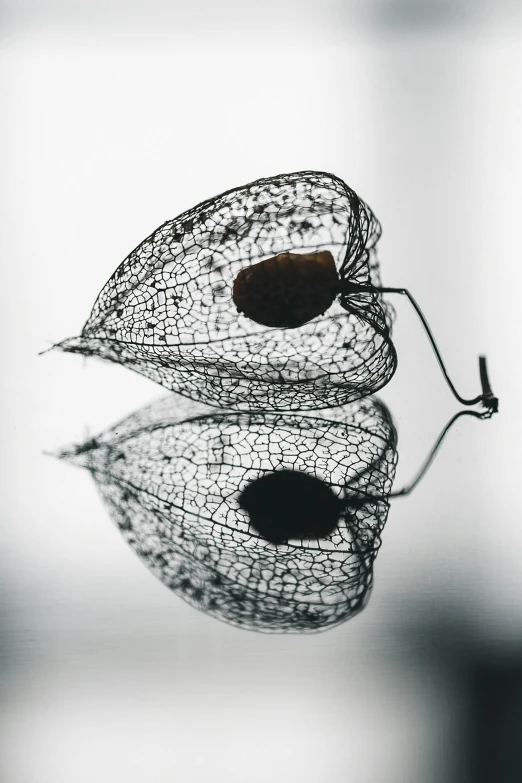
(287, 290)
(289, 504)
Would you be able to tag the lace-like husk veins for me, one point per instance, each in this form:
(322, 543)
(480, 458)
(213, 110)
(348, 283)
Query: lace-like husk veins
(167, 312)
(172, 487)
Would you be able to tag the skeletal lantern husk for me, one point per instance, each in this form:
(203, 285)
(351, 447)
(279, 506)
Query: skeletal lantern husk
(173, 486)
(288, 290)
(169, 313)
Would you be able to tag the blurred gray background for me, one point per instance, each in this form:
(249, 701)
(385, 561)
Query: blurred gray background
(119, 115)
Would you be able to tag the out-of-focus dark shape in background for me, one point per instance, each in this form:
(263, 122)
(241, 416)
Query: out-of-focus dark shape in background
(411, 15)
(118, 116)
(485, 679)
(494, 711)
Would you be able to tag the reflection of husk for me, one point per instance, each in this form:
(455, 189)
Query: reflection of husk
(172, 486)
(168, 310)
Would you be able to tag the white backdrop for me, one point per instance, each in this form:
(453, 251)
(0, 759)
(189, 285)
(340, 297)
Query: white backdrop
(120, 116)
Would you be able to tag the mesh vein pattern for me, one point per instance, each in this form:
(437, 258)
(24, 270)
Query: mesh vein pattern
(172, 486)
(168, 312)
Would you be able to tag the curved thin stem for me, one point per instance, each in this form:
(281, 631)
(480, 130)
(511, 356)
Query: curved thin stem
(487, 397)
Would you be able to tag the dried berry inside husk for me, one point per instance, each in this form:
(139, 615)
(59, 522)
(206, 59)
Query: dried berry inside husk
(287, 290)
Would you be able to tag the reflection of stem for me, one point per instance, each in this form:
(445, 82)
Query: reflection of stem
(361, 500)
(431, 456)
(487, 397)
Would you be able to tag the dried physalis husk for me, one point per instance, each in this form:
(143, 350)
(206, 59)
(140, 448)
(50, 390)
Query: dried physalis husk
(287, 290)
(276, 248)
(269, 521)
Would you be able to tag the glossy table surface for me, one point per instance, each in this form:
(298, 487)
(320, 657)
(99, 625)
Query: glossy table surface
(110, 130)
